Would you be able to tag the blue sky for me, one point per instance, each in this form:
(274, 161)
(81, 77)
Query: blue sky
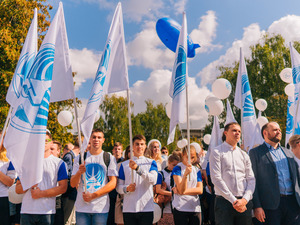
(220, 27)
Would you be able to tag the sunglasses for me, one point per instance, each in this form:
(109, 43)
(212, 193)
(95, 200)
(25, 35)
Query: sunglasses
(48, 140)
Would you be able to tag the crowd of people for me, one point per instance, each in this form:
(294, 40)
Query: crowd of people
(235, 187)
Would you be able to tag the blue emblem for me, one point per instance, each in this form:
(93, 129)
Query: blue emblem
(248, 106)
(95, 175)
(180, 72)
(22, 70)
(31, 114)
(296, 75)
(289, 119)
(101, 75)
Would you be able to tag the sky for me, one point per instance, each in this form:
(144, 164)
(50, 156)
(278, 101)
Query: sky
(221, 27)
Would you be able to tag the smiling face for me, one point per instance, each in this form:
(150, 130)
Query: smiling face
(54, 150)
(139, 147)
(96, 140)
(155, 148)
(117, 151)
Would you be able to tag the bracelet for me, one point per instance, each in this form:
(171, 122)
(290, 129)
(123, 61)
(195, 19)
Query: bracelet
(137, 168)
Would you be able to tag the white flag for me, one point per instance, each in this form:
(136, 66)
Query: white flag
(25, 62)
(215, 140)
(229, 114)
(295, 58)
(178, 82)
(243, 100)
(112, 73)
(29, 118)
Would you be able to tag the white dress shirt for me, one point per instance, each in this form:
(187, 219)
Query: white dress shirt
(231, 172)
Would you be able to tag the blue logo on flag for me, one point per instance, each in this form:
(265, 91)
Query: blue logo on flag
(180, 72)
(248, 106)
(296, 75)
(95, 175)
(31, 114)
(101, 75)
(289, 119)
(22, 70)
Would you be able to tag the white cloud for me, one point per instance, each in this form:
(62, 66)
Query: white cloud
(206, 32)
(147, 50)
(252, 34)
(156, 87)
(179, 6)
(85, 63)
(288, 27)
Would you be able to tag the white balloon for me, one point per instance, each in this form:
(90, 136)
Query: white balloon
(214, 106)
(286, 75)
(221, 88)
(169, 109)
(97, 115)
(261, 104)
(13, 197)
(197, 147)
(156, 213)
(207, 138)
(182, 143)
(262, 121)
(65, 118)
(289, 90)
(292, 109)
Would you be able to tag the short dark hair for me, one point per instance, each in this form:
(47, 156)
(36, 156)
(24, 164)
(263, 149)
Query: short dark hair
(97, 130)
(226, 128)
(139, 137)
(117, 144)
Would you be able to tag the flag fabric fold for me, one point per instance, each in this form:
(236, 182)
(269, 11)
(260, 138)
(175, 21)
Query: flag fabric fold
(178, 82)
(112, 73)
(229, 114)
(215, 140)
(289, 121)
(30, 114)
(295, 58)
(24, 64)
(244, 101)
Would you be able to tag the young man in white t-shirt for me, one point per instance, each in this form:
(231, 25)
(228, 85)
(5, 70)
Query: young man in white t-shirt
(101, 173)
(38, 205)
(138, 202)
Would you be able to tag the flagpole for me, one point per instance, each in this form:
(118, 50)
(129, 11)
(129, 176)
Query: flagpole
(130, 130)
(79, 140)
(6, 124)
(295, 116)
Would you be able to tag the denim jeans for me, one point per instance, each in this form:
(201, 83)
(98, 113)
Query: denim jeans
(91, 218)
(38, 219)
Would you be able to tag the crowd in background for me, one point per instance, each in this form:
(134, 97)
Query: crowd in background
(225, 186)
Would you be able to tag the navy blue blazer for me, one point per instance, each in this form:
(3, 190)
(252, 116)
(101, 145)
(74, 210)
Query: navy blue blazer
(267, 194)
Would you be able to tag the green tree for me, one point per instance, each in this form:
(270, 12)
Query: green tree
(268, 58)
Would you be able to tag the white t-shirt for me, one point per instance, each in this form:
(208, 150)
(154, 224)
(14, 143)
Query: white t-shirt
(54, 170)
(8, 169)
(96, 176)
(187, 203)
(141, 200)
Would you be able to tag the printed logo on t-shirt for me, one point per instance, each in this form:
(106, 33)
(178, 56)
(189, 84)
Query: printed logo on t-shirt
(95, 175)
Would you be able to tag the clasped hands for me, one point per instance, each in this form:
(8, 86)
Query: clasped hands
(240, 205)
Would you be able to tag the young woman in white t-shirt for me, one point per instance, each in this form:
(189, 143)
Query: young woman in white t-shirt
(165, 176)
(188, 183)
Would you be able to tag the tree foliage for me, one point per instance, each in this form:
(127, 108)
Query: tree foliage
(153, 123)
(268, 58)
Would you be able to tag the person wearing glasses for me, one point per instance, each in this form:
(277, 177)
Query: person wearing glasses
(38, 205)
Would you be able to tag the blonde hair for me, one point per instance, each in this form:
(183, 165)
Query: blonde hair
(150, 152)
(3, 156)
(294, 140)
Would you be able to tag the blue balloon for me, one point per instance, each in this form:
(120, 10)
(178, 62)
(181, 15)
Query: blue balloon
(168, 31)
